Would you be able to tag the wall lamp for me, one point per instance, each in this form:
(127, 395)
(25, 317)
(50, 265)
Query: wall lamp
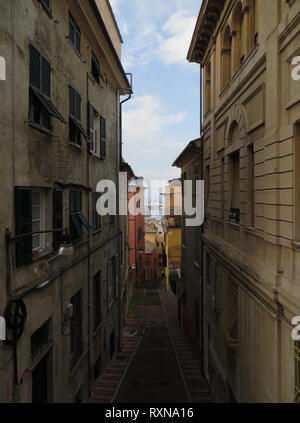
(66, 248)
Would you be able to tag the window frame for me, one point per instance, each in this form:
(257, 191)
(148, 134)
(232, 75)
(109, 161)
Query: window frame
(48, 9)
(42, 211)
(77, 32)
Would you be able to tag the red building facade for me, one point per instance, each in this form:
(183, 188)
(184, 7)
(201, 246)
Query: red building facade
(136, 229)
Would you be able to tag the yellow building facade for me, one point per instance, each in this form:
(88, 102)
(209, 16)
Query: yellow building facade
(250, 239)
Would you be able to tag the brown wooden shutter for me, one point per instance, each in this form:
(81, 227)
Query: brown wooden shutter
(23, 224)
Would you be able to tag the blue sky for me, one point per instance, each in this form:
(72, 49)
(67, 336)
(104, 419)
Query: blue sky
(163, 115)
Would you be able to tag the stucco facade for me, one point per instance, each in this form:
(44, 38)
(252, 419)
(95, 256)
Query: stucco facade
(249, 241)
(43, 160)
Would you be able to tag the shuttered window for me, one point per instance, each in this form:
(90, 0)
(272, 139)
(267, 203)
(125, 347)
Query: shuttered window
(40, 71)
(102, 137)
(77, 218)
(57, 217)
(23, 224)
(74, 34)
(75, 126)
(40, 106)
(94, 130)
(96, 216)
(46, 4)
(96, 71)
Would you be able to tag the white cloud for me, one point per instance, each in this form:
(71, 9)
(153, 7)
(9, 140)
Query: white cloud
(146, 138)
(145, 120)
(174, 48)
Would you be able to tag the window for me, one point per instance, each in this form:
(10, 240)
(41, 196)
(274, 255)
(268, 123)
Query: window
(74, 34)
(234, 215)
(30, 216)
(76, 215)
(97, 300)
(96, 216)
(40, 341)
(238, 38)
(96, 71)
(297, 372)
(38, 219)
(76, 333)
(94, 130)
(139, 234)
(57, 217)
(102, 137)
(226, 57)
(46, 4)
(207, 87)
(75, 126)
(41, 109)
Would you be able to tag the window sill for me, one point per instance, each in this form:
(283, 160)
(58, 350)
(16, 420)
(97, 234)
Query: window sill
(234, 225)
(95, 156)
(42, 254)
(40, 128)
(97, 231)
(79, 147)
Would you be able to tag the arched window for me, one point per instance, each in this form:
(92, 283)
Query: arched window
(226, 57)
(253, 24)
(207, 87)
(238, 30)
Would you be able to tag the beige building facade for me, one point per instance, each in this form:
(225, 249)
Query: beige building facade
(250, 238)
(60, 129)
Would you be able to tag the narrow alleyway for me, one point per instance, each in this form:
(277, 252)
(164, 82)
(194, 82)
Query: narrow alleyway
(157, 364)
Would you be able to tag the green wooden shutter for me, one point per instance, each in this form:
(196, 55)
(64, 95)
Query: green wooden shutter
(57, 217)
(23, 224)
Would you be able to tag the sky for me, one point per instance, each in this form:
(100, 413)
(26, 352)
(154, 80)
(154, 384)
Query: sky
(164, 112)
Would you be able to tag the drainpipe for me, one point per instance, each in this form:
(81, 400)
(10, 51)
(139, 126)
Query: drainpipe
(88, 256)
(119, 107)
(121, 103)
(202, 228)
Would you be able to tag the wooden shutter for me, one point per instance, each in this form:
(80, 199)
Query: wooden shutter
(72, 101)
(39, 71)
(78, 106)
(46, 77)
(57, 217)
(103, 137)
(90, 112)
(23, 224)
(71, 29)
(34, 67)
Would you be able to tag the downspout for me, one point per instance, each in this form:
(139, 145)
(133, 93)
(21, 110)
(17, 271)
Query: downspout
(119, 158)
(202, 228)
(121, 103)
(88, 256)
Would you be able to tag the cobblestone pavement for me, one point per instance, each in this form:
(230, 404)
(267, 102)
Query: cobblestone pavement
(157, 363)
